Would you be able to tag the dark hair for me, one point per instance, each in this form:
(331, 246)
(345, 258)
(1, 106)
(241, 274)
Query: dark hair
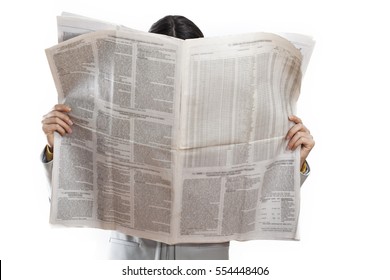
(176, 26)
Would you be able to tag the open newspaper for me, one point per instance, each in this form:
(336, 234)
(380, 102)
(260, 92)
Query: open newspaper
(176, 141)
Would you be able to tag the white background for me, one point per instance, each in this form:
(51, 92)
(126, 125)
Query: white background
(344, 102)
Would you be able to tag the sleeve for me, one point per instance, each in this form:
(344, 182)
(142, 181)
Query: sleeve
(48, 167)
(305, 173)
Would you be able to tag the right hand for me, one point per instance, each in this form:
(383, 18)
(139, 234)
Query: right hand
(56, 120)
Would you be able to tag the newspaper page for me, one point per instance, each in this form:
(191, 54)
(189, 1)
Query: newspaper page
(238, 180)
(123, 126)
(70, 25)
(177, 141)
(305, 44)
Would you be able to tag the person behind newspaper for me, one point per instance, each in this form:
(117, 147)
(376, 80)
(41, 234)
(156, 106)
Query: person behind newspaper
(130, 247)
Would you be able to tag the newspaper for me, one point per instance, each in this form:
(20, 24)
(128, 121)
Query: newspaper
(176, 140)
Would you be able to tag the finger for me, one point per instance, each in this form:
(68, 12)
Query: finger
(51, 128)
(50, 140)
(295, 119)
(59, 115)
(304, 140)
(49, 121)
(62, 108)
(293, 130)
(298, 135)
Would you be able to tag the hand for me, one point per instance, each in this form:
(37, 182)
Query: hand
(56, 120)
(299, 135)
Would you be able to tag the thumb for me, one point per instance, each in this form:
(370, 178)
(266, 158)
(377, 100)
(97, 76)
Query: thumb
(50, 140)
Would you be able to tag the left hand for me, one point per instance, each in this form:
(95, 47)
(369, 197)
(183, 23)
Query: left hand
(299, 135)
